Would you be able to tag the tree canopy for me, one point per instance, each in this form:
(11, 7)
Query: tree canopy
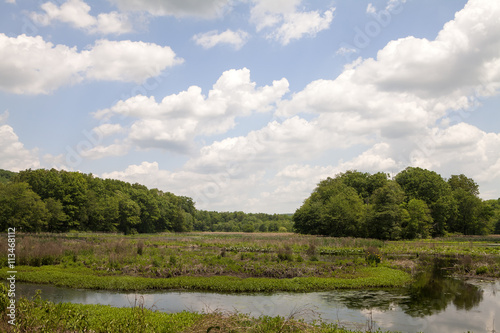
(60, 201)
(417, 203)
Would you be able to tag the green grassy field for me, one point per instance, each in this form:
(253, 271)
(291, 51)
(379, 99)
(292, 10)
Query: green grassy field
(237, 262)
(219, 262)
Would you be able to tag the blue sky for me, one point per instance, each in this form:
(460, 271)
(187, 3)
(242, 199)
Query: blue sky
(246, 105)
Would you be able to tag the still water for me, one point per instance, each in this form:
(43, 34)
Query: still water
(432, 304)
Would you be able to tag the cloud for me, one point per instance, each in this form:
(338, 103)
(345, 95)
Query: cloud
(395, 106)
(101, 151)
(174, 122)
(402, 108)
(269, 13)
(128, 61)
(212, 38)
(285, 22)
(105, 130)
(346, 50)
(178, 8)
(413, 82)
(272, 146)
(76, 13)
(215, 191)
(297, 25)
(13, 155)
(31, 65)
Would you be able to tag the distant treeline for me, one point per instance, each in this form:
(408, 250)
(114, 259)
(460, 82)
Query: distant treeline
(240, 221)
(417, 203)
(60, 201)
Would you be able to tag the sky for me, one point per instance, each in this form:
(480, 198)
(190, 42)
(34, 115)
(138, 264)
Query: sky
(245, 105)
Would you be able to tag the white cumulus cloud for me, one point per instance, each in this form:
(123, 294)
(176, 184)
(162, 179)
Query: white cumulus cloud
(175, 121)
(30, 65)
(212, 38)
(13, 155)
(76, 13)
(285, 22)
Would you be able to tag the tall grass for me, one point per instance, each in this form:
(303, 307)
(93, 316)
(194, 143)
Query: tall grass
(241, 255)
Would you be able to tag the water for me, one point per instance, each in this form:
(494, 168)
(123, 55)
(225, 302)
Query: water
(434, 303)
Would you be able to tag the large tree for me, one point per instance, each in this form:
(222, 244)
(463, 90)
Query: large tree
(333, 209)
(419, 221)
(430, 187)
(21, 208)
(386, 213)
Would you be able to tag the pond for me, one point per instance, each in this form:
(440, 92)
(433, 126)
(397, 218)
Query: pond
(434, 303)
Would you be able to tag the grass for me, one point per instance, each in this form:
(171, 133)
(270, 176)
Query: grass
(217, 262)
(236, 262)
(367, 277)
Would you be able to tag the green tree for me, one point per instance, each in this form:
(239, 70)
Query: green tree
(364, 183)
(418, 183)
(248, 227)
(333, 209)
(128, 214)
(150, 213)
(472, 216)
(57, 219)
(385, 213)
(21, 208)
(495, 208)
(342, 214)
(462, 182)
(419, 221)
(6, 176)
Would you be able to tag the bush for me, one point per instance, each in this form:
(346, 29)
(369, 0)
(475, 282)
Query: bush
(311, 250)
(482, 270)
(140, 248)
(285, 254)
(373, 256)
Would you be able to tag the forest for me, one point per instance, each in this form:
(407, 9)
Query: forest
(416, 203)
(61, 201)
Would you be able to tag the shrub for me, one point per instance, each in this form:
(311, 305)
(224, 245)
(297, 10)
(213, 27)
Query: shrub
(140, 248)
(373, 256)
(285, 253)
(311, 250)
(482, 270)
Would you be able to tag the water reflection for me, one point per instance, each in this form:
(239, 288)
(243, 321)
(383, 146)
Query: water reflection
(431, 293)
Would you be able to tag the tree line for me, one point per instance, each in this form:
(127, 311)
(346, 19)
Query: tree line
(240, 221)
(416, 203)
(61, 201)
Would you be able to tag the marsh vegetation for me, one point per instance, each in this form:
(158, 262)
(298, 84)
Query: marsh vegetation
(226, 262)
